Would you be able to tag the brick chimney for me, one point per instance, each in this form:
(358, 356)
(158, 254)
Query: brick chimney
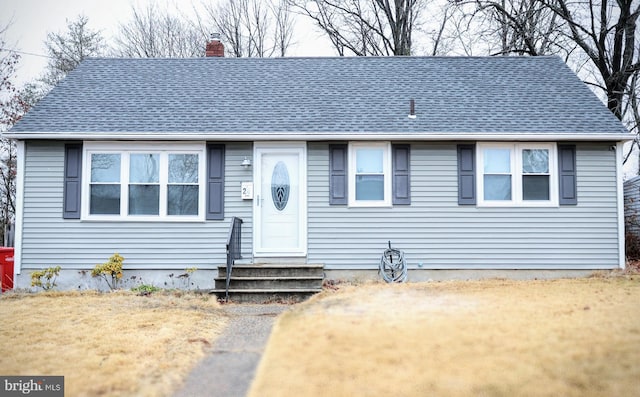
(214, 47)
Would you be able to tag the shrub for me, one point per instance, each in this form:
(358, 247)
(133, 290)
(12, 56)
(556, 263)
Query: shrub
(46, 279)
(632, 246)
(110, 271)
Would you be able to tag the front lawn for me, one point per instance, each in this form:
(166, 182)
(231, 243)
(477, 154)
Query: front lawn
(110, 344)
(479, 338)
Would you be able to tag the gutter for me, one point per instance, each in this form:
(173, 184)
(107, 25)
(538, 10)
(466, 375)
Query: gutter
(293, 136)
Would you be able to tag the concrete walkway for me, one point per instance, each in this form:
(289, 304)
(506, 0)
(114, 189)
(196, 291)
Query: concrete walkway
(230, 367)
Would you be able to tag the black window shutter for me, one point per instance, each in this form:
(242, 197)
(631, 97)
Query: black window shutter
(338, 174)
(215, 182)
(401, 174)
(72, 180)
(467, 174)
(567, 174)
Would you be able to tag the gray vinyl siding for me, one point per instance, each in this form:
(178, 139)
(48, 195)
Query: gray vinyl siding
(433, 231)
(632, 205)
(49, 240)
(440, 234)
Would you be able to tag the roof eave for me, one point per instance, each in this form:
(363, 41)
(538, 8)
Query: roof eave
(314, 136)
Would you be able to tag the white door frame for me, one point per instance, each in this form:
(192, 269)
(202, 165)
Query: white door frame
(260, 148)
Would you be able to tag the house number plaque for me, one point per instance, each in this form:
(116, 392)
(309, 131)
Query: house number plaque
(247, 190)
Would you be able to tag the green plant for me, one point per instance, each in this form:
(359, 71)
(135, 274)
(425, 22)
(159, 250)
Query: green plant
(46, 278)
(145, 289)
(110, 271)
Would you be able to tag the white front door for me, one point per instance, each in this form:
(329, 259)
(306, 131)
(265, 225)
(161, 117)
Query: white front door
(280, 203)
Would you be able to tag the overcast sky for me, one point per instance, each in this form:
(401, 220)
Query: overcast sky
(31, 20)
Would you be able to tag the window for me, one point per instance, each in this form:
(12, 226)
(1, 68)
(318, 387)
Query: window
(535, 175)
(369, 174)
(517, 174)
(183, 189)
(105, 184)
(144, 182)
(498, 174)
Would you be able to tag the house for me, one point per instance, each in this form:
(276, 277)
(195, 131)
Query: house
(473, 166)
(632, 206)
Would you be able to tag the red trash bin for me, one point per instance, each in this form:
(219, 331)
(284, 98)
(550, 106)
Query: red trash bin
(6, 268)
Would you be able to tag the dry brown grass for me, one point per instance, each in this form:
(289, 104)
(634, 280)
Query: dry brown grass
(483, 338)
(114, 344)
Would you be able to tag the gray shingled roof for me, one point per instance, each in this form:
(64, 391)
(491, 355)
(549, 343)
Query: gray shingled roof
(492, 95)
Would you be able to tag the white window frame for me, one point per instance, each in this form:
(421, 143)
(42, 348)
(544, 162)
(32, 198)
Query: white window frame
(387, 172)
(125, 149)
(516, 173)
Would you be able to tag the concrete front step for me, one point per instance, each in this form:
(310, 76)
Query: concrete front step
(263, 283)
(274, 270)
(266, 295)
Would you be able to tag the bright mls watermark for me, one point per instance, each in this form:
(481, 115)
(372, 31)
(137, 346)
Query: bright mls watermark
(40, 386)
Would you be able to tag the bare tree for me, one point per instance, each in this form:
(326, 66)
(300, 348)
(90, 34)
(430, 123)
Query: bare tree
(438, 34)
(251, 28)
(8, 168)
(155, 33)
(14, 103)
(598, 39)
(8, 61)
(67, 49)
(632, 110)
(504, 27)
(284, 24)
(366, 27)
(8, 106)
(606, 32)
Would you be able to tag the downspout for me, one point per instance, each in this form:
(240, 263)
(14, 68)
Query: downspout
(20, 167)
(620, 200)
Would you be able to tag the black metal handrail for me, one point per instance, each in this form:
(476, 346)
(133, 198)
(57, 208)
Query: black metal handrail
(234, 249)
